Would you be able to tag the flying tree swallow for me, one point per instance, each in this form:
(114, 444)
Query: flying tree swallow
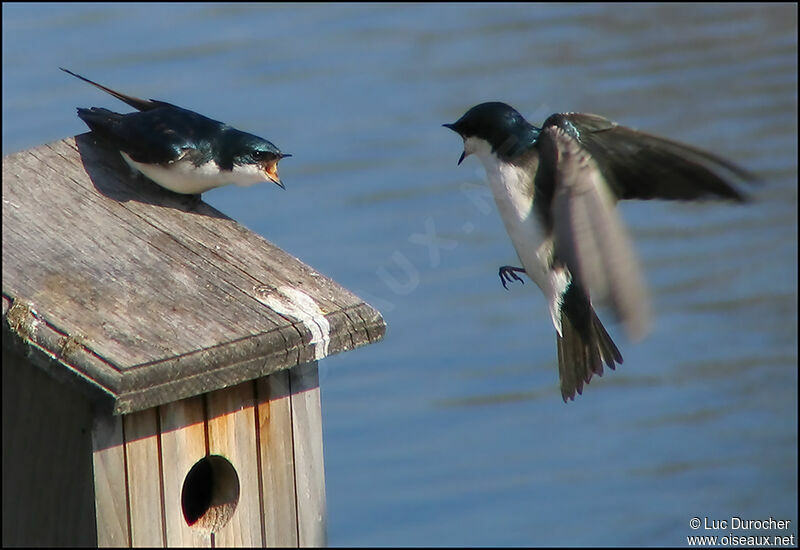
(181, 150)
(556, 188)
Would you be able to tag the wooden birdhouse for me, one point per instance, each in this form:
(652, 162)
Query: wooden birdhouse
(160, 382)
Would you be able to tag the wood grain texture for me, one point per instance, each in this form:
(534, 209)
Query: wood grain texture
(48, 496)
(308, 459)
(232, 435)
(183, 443)
(277, 460)
(158, 303)
(110, 484)
(144, 478)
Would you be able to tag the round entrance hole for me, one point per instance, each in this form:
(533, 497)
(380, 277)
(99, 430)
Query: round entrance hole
(210, 493)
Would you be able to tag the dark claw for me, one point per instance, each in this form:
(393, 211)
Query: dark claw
(508, 274)
(192, 202)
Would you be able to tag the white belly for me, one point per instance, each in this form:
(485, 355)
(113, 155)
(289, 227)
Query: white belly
(513, 194)
(515, 204)
(184, 177)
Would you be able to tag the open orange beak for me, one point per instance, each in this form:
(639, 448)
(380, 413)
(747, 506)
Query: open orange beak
(271, 170)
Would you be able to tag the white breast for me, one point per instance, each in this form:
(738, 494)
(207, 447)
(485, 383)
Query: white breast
(511, 189)
(513, 193)
(183, 176)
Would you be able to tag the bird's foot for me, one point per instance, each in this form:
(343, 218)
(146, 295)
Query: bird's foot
(191, 202)
(508, 274)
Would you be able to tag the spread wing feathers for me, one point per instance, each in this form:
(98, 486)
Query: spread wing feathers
(590, 238)
(639, 165)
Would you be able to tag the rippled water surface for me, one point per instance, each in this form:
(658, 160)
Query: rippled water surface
(452, 430)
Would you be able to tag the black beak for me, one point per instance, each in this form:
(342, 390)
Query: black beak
(463, 154)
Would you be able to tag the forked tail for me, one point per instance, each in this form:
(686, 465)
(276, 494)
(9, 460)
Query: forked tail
(583, 345)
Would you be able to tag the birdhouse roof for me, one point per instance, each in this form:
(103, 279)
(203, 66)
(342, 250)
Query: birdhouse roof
(111, 280)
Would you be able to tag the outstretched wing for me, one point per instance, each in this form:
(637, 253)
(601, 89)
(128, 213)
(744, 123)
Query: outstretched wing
(638, 165)
(590, 238)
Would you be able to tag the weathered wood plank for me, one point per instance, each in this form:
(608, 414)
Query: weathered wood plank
(144, 478)
(232, 435)
(277, 460)
(110, 485)
(120, 268)
(183, 443)
(48, 498)
(118, 282)
(308, 459)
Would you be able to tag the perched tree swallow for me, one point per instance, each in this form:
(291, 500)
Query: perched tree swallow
(181, 150)
(556, 188)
